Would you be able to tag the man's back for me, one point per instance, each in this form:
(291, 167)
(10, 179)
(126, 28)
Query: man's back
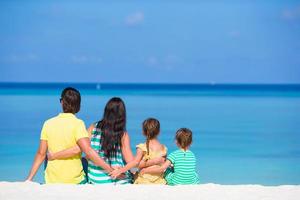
(62, 132)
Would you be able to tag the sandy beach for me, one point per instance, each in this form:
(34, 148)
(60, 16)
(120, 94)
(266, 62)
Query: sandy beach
(35, 191)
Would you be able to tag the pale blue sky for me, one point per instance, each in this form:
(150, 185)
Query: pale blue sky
(222, 41)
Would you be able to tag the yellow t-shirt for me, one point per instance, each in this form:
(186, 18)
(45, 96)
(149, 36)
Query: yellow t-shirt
(62, 132)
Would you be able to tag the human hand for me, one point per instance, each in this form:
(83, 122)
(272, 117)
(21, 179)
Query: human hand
(122, 175)
(143, 171)
(29, 178)
(50, 156)
(115, 173)
(116, 167)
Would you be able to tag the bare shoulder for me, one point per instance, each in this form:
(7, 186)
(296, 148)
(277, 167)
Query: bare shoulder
(157, 146)
(163, 147)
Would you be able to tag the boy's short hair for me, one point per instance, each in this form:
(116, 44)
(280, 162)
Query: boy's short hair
(184, 137)
(70, 99)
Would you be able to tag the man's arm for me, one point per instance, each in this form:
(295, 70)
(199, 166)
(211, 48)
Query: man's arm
(39, 159)
(85, 146)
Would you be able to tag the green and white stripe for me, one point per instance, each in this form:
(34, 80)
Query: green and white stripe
(184, 163)
(96, 174)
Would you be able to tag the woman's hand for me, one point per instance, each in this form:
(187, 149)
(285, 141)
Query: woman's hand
(50, 156)
(118, 175)
(115, 173)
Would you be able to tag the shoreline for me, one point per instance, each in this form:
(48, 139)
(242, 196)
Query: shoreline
(35, 191)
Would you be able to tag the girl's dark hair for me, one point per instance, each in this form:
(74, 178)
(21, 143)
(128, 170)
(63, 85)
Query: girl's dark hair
(70, 99)
(184, 137)
(151, 128)
(112, 126)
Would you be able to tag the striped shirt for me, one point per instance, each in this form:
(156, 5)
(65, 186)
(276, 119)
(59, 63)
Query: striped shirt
(184, 163)
(96, 174)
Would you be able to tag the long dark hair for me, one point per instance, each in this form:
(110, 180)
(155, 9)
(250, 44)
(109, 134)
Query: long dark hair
(112, 126)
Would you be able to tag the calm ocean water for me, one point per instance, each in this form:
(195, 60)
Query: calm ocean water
(242, 134)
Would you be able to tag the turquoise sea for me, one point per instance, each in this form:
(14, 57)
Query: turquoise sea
(243, 134)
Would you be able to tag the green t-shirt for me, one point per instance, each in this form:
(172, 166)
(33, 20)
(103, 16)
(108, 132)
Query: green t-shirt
(184, 163)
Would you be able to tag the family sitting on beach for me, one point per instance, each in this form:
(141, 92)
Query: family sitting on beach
(106, 145)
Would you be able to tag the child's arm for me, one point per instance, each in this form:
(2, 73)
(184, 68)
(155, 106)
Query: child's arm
(156, 169)
(139, 155)
(151, 162)
(67, 153)
(155, 161)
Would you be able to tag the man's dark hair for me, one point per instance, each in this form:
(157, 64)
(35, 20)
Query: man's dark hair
(70, 99)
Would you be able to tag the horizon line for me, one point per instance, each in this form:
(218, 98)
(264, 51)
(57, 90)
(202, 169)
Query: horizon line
(152, 86)
(147, 83)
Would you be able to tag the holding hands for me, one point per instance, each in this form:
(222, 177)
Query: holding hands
(116, 173)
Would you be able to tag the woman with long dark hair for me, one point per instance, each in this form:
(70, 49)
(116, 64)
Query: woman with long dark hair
(110, 139)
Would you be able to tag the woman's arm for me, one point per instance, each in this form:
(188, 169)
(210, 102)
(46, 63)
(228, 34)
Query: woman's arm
(85, 146)
(156, 169)
(126, 148)
(38, 160)
(67, 153)
(64, 154)
(139, 155)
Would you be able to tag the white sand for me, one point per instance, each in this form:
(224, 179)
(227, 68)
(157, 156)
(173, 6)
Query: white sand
(35, 191)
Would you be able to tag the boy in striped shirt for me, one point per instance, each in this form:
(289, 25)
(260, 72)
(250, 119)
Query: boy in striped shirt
(182, 160)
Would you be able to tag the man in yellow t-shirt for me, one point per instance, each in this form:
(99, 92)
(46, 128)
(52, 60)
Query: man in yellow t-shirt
(63, 132)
